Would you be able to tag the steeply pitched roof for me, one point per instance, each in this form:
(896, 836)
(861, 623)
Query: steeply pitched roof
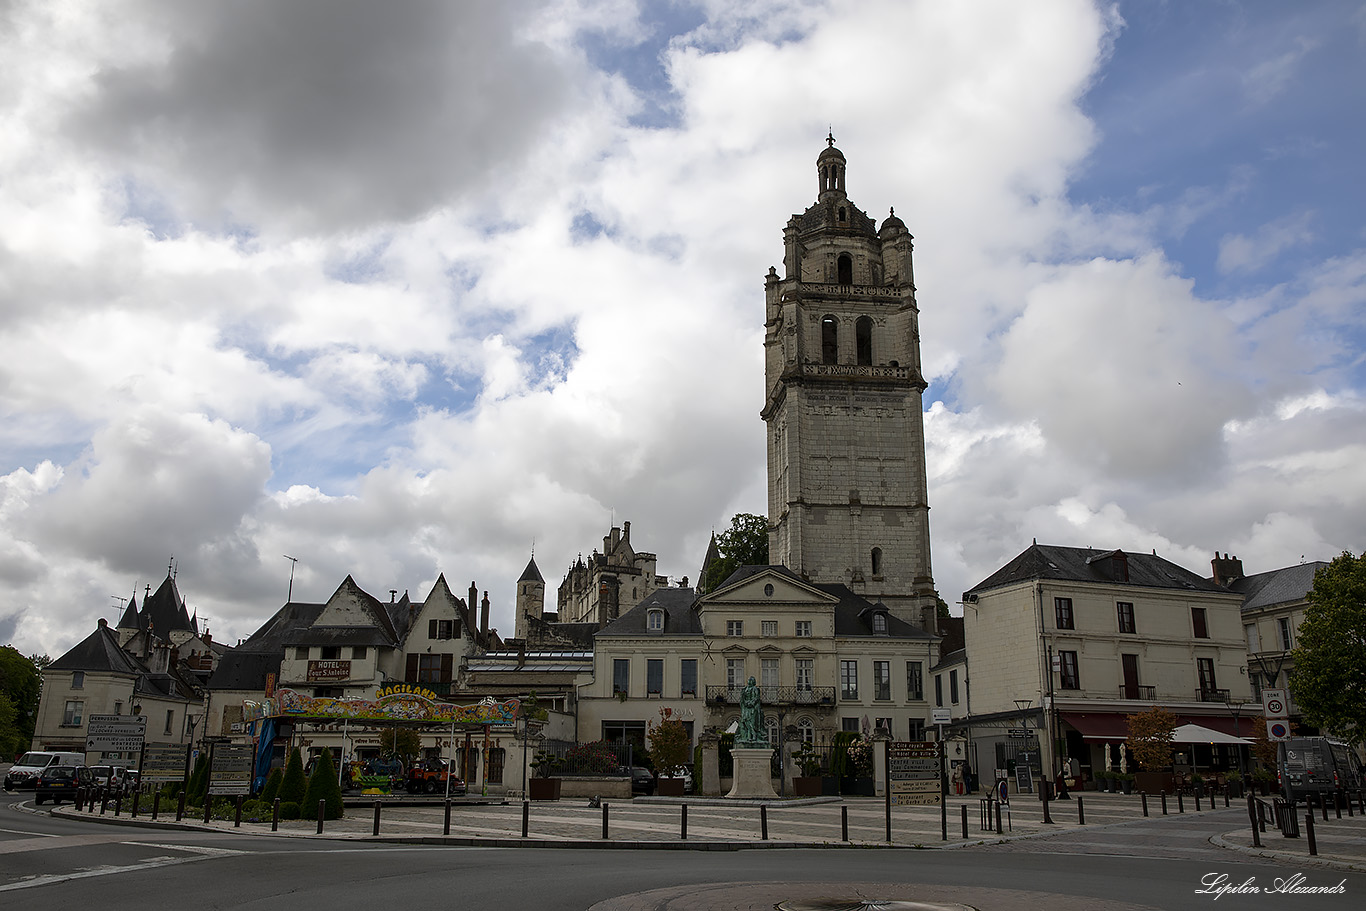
(164, 610)
(271, 636)
(239, 670)
(99, 652)
(532, 573)
(1279, 586)
(1083, 564)
(679, 617)
(129, 620)
(854, 616)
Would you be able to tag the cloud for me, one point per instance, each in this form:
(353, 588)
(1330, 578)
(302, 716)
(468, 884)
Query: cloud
(1238, 252)
(1270, 78)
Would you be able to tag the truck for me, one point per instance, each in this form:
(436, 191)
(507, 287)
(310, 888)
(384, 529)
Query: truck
(1318, 765)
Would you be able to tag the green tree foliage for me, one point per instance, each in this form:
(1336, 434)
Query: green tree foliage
(9, 732)
(400, 743)
(322, 785)
(745, 543)
(669, 742)
(1150, 738)
(21, 683)
(1329, 680)
(272, 788)
(293, 786)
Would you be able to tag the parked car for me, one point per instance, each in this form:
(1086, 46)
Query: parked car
(642, 780)
(23, 775)
(1318, 765)
(430, 776)
(60, 781)
(113, 778)
(683, 773)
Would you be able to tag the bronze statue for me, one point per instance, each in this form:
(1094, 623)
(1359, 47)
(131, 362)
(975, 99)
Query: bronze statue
(750, 733)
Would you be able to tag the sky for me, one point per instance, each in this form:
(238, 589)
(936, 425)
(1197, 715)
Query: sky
(415, 288)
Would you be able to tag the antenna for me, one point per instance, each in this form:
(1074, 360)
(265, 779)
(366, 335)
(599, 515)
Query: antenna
(292, 561)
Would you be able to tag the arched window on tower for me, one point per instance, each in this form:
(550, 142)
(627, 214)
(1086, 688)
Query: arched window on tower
(863, 338)
(845, 266)
(830, 340)
(877, 562)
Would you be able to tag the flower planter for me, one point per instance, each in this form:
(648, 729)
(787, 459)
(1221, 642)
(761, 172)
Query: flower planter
(807, 786)
(544, 789)
(830, 786)
(669, 787)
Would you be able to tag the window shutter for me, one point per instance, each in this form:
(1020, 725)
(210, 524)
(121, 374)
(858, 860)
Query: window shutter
(431, 629)
(447, 663)
(411, 675)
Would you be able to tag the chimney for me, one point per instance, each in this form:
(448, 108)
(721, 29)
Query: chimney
(474, 599)
(484, 616)
(626, 532)
(1226, 571)
(684, 583)
(393, 595)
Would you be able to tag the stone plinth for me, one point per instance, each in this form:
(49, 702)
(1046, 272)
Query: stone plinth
(753, 772)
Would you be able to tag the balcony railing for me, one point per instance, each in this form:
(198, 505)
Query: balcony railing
(1137, 691)
(1205, 695)
(814, 696)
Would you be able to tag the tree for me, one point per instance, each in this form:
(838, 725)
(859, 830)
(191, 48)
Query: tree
(1329, 679)
(745, 543)
(22, 683)
(1150, 738)
(400, 743)
(323, 786)
(669, 743)
(293, 785)
(197, 788)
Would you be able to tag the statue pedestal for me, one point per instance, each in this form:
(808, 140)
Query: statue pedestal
(753, 772)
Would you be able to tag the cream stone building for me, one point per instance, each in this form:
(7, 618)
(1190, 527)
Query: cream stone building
(599, 589)
(1069, 641)
(847, 499)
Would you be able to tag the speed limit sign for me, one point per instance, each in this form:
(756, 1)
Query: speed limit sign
(1275, 704)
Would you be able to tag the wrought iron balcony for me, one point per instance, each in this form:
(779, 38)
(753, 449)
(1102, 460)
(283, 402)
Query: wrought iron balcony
(1137, 691)
(813, 696)
(1205, 695)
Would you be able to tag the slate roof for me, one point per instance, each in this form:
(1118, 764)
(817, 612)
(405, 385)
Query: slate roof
(164, 610)
(532, 573)
(271, 635)
(1084, 564)
(339, 635)
(239, 670)
(1279, 586)
(679, 617)
(823, 215)
(99, 652)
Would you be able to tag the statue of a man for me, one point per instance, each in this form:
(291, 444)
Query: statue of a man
(750, 732)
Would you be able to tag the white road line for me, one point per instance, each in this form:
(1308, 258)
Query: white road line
(31, 834)
(100, 871)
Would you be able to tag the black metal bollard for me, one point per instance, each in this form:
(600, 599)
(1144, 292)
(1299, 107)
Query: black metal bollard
(1226, 790)
(180, 807)
(1081, 812)
(964, 808)
(998, 819)
(156, 805)
(118, 805)
(1309, 833)
(763, 821)
(237, 814)
(1047, 819)
(1323, 804)
(604, 821)
(104, 801)
(943, 819)
(446, 826)
(1164, 803)
(275, 816)
(1252, 817)
(322, 811)
(887, 817)
(134, 808)
(1347, 799)
(374, 826)
(1337, 803)
(684, 833)
(208, 809)
(844, 823)
(1197, 801)
(1180, 802)
(526, 817)
(1144, 796)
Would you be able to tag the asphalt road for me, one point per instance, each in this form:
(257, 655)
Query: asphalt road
(53, 863)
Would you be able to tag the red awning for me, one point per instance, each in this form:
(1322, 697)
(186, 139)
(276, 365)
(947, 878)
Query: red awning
(1114, 726)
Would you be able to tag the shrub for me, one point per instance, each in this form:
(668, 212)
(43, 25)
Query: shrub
(198, 785)
(272, 788)
(289, 810)
(293, 785)
(596, 758)
(322, 786)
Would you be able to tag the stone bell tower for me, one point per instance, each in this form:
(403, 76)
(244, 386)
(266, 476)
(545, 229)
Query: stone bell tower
(846, 440)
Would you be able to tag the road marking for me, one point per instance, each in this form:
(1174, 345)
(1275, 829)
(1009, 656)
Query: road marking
(99, 871)
(33, 834)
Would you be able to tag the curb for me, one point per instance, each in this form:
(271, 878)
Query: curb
(1304, 859)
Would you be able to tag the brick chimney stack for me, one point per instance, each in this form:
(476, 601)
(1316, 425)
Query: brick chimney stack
(484, 616)
(1226, 570)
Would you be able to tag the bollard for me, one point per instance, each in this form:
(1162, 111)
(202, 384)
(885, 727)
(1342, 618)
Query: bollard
(208, 809)
(526, 817)
(604, 821)
(844, 823)
(964, 808)
(763, 821)
(1197, 801)
(943, 819)
(322, 811)
(1347, 799)
(887, 812)
(1144, 796)
(275, 817)
(134, 808)
(1337, 803)
(1226, 790)
(180, 807)
(374, 826)
(118, 806)
(156, 805)
(1081, 812)
(104, 801)
(1252, 815)
(1164, 803)
(684, 808)
(1323, 805)
(1047, 819)
(1180, 802)
(237, 816)
(1309, 833)
(998, 818)
(446, 826)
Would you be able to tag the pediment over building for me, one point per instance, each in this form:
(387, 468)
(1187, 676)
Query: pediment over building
(767, 585)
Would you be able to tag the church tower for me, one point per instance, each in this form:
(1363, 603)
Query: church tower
(846, 440)
(530, 597)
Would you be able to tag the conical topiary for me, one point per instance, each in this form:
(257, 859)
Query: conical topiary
(272, 788)
(198, 785)
(322, 785)
(293, 785)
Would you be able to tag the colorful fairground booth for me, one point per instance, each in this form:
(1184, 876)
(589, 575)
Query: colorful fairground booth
(275, 721)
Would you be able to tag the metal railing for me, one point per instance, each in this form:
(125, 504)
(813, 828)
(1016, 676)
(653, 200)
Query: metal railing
(1211, 695)
(1137, 691)
(813, 696)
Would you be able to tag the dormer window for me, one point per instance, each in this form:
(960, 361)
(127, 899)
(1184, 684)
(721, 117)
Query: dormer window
(879, 624)
(654, 621)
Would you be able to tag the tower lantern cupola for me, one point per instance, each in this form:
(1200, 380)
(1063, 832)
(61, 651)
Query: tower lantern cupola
(830, 168)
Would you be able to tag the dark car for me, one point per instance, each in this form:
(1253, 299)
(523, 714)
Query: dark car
(642, 780)
(61, 781)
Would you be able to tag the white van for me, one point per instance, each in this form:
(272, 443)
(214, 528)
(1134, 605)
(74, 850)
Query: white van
(24, 773)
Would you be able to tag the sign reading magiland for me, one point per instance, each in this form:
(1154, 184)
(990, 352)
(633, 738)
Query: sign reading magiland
(914, 774)
(115, 733)
(163, 762)
(230, 769)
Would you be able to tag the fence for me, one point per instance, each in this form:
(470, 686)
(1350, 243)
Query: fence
(600, 758)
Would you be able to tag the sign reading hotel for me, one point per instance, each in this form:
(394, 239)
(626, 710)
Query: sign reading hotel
(913, 773)
(331, 669)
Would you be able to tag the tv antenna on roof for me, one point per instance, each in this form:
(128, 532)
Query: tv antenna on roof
(292, 561)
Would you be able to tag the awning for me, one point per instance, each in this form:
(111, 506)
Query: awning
(1194, 733)
(1114, 727)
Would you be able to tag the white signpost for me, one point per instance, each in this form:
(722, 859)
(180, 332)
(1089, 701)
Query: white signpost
(115, 733)
(1276, 708)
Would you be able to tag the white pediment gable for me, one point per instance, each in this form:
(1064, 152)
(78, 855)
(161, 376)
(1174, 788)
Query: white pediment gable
(348, 606)
(754, 590)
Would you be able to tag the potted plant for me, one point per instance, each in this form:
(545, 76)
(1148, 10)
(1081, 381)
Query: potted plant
(1102, 780)
(860, 754)
(808, 783)
(1263, 779)
(1126, 781)
(543, 785)
(669, 749)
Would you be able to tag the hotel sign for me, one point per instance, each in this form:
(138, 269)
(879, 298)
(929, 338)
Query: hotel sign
(328, 670)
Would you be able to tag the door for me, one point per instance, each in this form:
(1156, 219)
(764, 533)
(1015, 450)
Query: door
(1130, 663)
